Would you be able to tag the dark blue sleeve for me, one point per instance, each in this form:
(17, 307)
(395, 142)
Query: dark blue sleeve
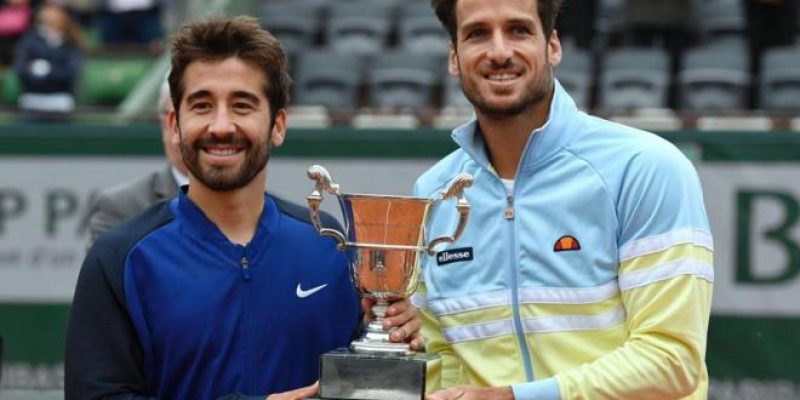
(103, 355)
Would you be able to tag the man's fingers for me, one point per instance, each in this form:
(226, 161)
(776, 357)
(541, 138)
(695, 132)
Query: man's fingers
(308, 391)
(454, 393)
(398, 307)
(402, 313)
(417, 343)
(297, 394)
(406, 331)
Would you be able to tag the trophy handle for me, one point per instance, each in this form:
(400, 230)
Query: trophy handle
(455, 189)
(323, 184)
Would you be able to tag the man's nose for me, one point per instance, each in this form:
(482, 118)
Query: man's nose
(500, 52)
(222, 123)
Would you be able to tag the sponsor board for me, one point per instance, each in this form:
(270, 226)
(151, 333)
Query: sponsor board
(754, 210)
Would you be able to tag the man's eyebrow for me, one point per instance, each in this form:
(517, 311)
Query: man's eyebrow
(472, 25)
(196, 95)
(247, 95)
(521, 21)
(515, 21)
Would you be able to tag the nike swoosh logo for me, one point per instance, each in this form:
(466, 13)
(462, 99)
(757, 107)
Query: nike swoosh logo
(305, 293)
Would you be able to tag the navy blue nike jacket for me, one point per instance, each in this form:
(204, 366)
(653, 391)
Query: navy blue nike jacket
(167, 307)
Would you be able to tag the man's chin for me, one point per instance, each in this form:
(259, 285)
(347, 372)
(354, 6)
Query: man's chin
(501, 111)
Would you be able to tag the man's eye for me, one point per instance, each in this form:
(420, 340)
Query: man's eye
(520, 30)
(243, 107)
(476, 34)
(200, 106)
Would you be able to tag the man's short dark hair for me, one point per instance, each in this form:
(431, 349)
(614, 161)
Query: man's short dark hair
(219, 38)
(446, 12)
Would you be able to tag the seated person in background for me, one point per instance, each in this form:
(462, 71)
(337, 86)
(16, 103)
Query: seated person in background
(131, 22)
(118, 203)
(15, 18)
(48, 61)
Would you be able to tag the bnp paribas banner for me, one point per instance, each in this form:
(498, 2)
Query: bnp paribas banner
(754, 208)
(754, 337)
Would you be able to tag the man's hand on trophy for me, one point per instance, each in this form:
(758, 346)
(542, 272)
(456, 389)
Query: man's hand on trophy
(468, 392)
(297, 394)
(402, 321)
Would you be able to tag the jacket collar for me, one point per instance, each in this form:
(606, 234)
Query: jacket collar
(543, 142)
(200, 225)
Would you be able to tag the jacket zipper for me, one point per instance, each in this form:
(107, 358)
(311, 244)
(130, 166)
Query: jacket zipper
(509, 215)
(244, 265)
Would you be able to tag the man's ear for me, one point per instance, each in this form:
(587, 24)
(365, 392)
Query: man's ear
(279, 128)
(172, 122)
(452, 61)
(554, 51)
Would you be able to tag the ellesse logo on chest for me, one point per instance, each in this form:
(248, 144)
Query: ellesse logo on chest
(454, 255)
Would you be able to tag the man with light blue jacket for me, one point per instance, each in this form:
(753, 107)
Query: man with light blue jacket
(585, 271)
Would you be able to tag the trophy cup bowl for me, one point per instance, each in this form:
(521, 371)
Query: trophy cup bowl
(385, 239)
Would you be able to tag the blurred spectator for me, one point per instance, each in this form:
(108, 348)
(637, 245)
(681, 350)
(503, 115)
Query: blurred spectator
(121, 202)
(15, 18)
(131, 22)
(47, 60)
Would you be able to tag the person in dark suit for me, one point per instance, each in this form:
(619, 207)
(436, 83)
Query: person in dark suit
(118, 203)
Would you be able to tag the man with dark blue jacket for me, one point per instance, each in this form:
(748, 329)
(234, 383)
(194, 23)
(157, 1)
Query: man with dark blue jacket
(223, 291)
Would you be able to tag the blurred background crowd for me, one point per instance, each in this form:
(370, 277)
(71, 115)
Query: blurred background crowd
(678, 59)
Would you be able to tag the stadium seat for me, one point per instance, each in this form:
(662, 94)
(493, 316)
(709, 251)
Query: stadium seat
(714, 80)
(634, 78)
(106, 80)
(294, 23)
(610, 20)
(359, 26)
(452, 95)
(575, 74)
(780, 80)
(720, 18)
(403, 79)
(329, 79)
(419, 30)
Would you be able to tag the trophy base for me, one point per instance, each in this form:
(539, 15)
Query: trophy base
(349, 375)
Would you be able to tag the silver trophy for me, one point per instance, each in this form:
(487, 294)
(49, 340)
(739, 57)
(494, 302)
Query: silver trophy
(385, 240)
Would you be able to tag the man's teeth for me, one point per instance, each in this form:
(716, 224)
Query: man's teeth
(503, 77)
(222, 152)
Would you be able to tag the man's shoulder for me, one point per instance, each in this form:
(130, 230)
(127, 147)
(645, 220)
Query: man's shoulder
(609, 144)
(441, 173)
(301, 213)
(119, 240)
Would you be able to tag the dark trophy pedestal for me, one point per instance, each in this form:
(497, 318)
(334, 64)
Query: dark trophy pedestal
(348, 375)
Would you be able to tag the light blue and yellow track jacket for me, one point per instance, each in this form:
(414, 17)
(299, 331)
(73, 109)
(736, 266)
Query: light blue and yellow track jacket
(593, 280)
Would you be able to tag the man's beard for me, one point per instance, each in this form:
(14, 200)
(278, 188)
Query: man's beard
(536, 92)
(532, 96)
(223, 178)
